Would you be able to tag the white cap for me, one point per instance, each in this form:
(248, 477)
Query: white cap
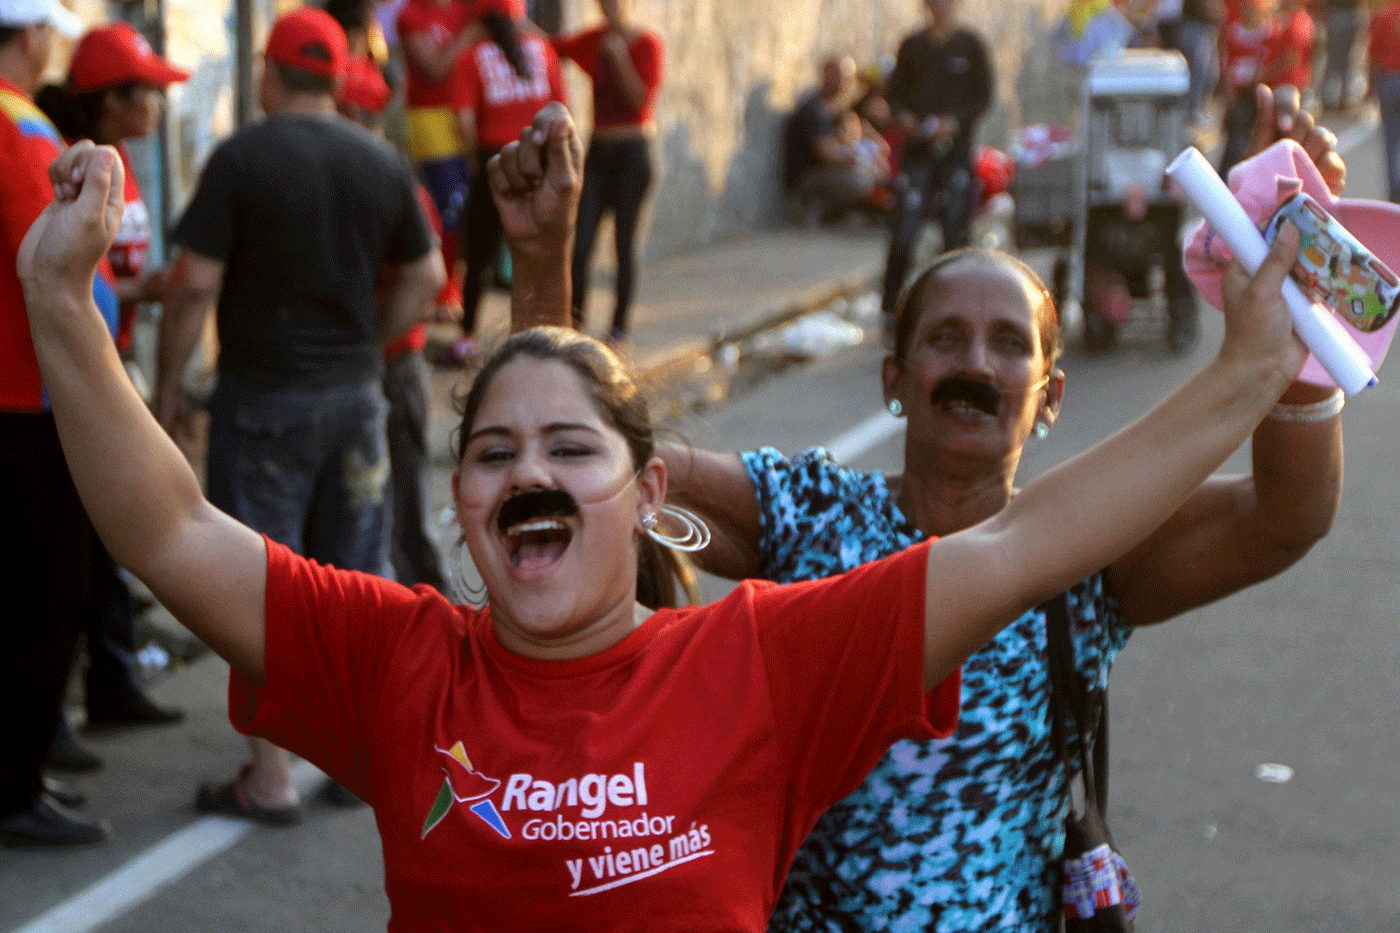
(33, 12)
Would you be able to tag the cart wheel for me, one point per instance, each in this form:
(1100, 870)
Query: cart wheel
(1100, 334)
(1181, 327)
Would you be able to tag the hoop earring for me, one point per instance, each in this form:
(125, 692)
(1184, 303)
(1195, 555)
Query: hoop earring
(695, 538)
(896, 408)
(473, 595)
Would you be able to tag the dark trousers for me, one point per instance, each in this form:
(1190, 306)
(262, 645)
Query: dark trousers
(616, 176)
(113, 675)
(928, 183)
(415, 557)
(1239, 126)
(481, 239)
(45, 554)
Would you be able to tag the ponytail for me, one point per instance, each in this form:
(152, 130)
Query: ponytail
(663, 576)
(506, 34)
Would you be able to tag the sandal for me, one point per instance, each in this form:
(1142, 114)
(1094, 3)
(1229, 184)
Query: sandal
(234, 799)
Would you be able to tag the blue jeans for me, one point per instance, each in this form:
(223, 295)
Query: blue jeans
(308, 469)
(1388, 93)
(415, 556)
(1196, 40)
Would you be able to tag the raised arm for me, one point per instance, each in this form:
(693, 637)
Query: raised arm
(144, 500)
(718, 489)
(536, 181)
(1084, 514)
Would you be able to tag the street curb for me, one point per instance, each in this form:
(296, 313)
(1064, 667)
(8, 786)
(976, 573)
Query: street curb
(680, 358)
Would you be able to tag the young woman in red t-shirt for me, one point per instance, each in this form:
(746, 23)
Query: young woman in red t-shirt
(565, 757)
(500, 82)
(625, 63)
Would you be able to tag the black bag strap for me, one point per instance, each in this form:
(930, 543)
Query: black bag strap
(1069, 705)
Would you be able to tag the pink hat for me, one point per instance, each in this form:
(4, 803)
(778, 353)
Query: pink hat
(1264, 182)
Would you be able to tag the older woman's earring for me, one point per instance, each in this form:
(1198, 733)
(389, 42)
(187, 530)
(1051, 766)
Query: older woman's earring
(472, 594)
(896, 408)
(1041, 429)
(696, 536)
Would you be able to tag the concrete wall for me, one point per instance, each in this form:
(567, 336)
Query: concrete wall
(736, 66)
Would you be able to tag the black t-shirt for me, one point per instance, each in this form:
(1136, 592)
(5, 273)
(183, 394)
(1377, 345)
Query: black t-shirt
(302, 210)
(1204, 11)
(810, 122)
(935, 77)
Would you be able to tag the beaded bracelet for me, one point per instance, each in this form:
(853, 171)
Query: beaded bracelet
(1314, 413)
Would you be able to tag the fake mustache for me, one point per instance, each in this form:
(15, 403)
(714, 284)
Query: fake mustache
(537, 503)
(980, 395)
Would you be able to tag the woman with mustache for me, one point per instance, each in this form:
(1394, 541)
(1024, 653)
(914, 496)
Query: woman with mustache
(565, 758)
(965, 832)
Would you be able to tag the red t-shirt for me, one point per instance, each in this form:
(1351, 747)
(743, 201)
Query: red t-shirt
(504, 102)
(1384, 49)
(664, 783)
(440, 23)
(28, 143)
(1244, 51)
(1293, 35)
(611, 107)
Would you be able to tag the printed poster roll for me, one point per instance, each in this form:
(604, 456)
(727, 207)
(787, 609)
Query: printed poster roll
(1315, 324)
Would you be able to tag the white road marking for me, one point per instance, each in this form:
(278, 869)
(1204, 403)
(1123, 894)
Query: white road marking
(874, 430)
(153, 869)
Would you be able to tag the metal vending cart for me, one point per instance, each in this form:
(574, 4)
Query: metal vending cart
(1125, 262)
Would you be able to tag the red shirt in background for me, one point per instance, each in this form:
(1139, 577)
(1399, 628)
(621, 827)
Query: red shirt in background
(1294, 36)
(441, 24)
(611, 106)
(664, 783)
(28, 143)
(1384, 49)
(1243, 52)
(505, 103)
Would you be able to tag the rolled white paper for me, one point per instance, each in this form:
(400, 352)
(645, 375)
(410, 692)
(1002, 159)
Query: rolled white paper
(1315, 324)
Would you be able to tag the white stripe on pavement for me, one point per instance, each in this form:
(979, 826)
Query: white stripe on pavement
(153, 869)
(874, 430)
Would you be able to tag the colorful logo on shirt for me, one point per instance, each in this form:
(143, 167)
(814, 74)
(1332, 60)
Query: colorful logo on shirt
(28, 118)
(464, 784)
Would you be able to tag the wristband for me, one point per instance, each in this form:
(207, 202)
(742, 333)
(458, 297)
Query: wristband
(1315, 413)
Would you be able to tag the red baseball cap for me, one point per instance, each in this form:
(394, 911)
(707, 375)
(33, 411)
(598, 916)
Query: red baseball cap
(364, 86)
(309, 39)
(515, 9)
(117, 54)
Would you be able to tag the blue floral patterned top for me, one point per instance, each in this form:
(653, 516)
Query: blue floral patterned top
(958, 835)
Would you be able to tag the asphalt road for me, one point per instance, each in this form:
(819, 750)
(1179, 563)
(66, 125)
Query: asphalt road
(1299, 671)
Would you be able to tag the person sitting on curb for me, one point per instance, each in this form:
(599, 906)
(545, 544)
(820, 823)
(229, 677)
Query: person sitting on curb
(822, 173)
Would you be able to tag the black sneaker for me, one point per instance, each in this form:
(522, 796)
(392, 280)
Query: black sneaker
(69, 754)
(48, 824)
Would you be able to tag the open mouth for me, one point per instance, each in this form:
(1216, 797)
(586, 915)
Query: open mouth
(966, 398)
(534, 527)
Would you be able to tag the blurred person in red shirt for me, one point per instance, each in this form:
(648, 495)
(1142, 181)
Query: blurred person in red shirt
(46, 558)
(433, 35)
(1383, 54)
(1289, 60)
(498, 85)
(1246, 42)
(624, 62)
